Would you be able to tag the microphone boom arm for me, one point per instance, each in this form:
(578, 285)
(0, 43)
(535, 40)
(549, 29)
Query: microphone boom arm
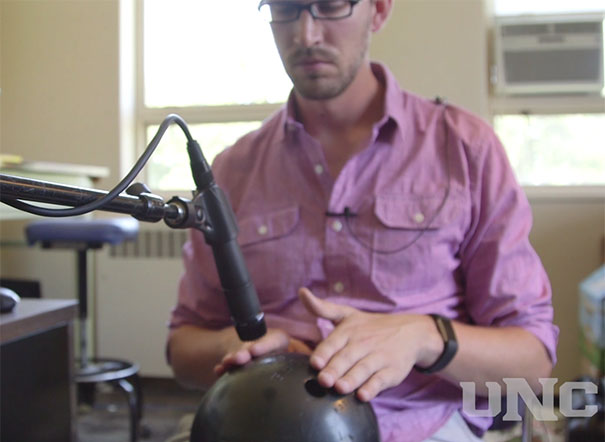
(209, 212)
(144, 207)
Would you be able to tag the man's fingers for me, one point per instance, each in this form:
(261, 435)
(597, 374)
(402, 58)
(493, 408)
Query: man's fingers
(297, 346)
(357, 373)
(379, 381)
(239, 357)
(272, 341)
(341, 364)
(323, 309)
(327, 348)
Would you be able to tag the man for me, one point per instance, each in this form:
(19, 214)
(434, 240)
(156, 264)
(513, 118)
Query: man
(363, 209)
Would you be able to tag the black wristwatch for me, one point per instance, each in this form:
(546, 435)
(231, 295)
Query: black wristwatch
(450, 345)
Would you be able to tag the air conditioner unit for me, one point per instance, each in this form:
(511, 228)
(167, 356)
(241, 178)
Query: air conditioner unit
(549, 54)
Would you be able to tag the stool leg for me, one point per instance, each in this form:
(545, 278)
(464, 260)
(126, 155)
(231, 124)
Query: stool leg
(144, 430)
(83, 306)
(86, 393)
(134, 408)
(139, 394)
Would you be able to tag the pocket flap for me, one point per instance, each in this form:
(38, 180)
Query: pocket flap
(415, 211)
(269, 225)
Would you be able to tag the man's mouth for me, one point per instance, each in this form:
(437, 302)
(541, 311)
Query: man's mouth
(311, 62)
(310, 59)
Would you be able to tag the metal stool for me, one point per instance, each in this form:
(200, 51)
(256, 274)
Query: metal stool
(83, 235)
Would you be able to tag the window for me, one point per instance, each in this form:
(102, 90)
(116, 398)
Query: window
(169, 165)
(214, 64)
(552, 139)
(561, 149)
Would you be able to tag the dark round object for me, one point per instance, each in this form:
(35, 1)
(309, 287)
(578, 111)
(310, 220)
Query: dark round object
(277, 398)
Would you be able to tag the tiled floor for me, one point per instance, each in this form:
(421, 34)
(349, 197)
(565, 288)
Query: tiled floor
(165, 402)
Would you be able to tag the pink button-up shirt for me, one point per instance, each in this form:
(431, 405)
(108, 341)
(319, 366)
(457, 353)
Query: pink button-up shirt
(440, 226)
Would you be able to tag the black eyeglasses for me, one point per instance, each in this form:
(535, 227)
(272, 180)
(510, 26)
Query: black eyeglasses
(286, 11)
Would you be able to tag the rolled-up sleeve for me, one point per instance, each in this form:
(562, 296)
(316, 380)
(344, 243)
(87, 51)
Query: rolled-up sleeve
(505, 280)
(200, 301)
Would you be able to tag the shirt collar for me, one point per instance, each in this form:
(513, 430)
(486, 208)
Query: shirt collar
(395, 102)
(290, 120)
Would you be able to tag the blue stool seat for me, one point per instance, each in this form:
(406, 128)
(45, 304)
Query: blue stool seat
(83, 235)
(70, 232)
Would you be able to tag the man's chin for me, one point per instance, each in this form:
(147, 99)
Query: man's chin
(316, 95)
(317, 89)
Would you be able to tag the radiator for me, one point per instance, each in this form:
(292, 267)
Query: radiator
(136, 288)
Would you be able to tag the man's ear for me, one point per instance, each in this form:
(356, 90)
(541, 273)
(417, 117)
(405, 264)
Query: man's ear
(382, 10)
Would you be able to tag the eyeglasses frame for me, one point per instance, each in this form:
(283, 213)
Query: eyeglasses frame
(308, 7)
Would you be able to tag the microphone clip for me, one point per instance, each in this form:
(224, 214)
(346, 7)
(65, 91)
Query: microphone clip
(347, 213)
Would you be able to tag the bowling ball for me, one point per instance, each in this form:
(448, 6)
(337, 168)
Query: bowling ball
(276, 398)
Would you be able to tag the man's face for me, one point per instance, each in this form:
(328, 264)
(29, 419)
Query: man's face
(322, 57)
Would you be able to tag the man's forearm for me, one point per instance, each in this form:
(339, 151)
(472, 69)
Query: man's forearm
(491, 354)
(195, 351)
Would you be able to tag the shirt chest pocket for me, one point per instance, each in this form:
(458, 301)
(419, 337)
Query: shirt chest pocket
(415, 242)
(271, 243)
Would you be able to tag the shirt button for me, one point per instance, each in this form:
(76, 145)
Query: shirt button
(418, 217)
(319, 169)
(338, 287)
(337, 226)
(262, 230)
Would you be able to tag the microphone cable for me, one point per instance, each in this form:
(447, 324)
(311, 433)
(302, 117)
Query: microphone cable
(348, 214)
(119, 188)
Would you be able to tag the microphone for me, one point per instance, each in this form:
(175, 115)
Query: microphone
(220, 232)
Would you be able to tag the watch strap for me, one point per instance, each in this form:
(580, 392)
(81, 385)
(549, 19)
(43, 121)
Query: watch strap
(450, 345)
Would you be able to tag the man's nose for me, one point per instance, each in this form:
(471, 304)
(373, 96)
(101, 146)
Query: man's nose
(308, 31)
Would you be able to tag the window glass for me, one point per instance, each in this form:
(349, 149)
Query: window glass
(199, 53)
(168, 168)
(555, 149)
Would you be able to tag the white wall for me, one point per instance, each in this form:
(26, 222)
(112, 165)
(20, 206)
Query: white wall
(60, 81)
(59, 103)
(569, 236)
(61, 99)
(438, 48)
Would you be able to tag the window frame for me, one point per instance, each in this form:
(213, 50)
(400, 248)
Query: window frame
(150, 116)
(498, 105)
(544, 104)
(552, 105)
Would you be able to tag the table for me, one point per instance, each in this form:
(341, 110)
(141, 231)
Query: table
(37, 389)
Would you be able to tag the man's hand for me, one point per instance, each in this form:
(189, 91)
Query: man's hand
(370, 352)
(274, 340)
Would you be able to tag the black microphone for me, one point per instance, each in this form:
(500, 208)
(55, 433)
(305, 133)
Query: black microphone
(220, 232)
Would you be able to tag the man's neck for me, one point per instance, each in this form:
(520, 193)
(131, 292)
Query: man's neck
(343, 125)
(360, 105)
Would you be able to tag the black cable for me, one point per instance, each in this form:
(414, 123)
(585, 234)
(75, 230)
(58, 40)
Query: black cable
(122, 185)
(348, 214)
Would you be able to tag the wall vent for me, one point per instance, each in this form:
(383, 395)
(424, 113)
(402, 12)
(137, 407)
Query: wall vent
(550, 54)
(152, 244)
